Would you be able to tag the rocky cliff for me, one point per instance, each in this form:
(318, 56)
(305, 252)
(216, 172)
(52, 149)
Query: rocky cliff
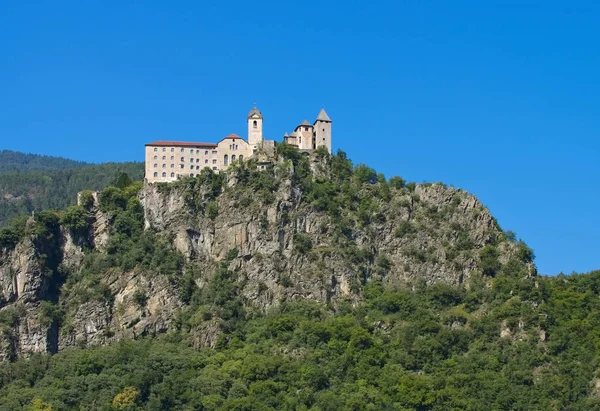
(191, 256)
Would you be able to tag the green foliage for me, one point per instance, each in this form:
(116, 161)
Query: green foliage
(15, 161)
(75, 218)
(488, 260)
(112, 200)
(524, 253)
(86, 199)
(11, 235)
(404, 228)
(212, 209)
(302, 243)
(24, 190)
(140, 298)
(397, 182)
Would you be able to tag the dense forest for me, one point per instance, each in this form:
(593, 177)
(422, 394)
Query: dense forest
(431, 348)
(32, 189)
(15, 161)
(505, 340)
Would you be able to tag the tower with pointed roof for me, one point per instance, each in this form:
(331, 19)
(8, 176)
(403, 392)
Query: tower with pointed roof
(255, 127)
(322, 130)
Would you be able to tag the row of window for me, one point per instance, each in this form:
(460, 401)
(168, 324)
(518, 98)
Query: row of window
(182, 165)
(182, 159)
(183, 150)
(173, 174)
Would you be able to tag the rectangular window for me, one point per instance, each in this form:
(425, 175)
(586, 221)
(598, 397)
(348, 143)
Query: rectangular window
(214, 161)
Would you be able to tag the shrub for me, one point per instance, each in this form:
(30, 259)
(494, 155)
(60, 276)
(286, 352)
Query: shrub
(396, 182)
(488, 260)
(86, 199)
(411, 187)
(524, 253)
(140, 298)
(364, 174)
(212, 210)
(404, 228)
(302, 243)
(75, 218)
(112, 200)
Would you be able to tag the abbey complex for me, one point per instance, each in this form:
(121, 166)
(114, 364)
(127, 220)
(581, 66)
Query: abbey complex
(170, 160)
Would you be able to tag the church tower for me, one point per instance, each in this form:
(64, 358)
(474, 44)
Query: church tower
(322, 130)
(255, 125)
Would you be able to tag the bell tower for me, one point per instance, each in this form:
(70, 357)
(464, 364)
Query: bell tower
(255, 124)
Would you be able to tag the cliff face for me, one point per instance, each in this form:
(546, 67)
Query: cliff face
(283, 240)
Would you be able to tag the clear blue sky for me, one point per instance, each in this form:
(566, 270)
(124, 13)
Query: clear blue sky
(500, 98)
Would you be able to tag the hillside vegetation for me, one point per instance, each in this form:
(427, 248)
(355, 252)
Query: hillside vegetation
(315, 284)
(50, 182)
(15, 161)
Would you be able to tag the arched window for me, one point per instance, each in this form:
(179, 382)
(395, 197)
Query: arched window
(254, 124)
(155, 149)
(156, 157)
(172, 149)
(164, 166)
(233, 158)
(155, 165)
(192, 150)
(172, 174)
(197, 151)
(299, 139)
(191, 174)
(182, 149)
(182, 158)
(164, 157)
(192, 167)
(172, 165)
(241, 157)
(155, 174)
(172, 158)
(164, 174)
(206, 153)
(225, 159)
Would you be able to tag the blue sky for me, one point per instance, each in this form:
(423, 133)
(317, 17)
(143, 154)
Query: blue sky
(501, 99)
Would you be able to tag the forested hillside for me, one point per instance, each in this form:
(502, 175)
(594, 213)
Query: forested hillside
(519, 345)
(314, 284)
(15, 161)
(24, 191)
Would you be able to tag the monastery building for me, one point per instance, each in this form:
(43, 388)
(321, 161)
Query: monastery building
(170, 160)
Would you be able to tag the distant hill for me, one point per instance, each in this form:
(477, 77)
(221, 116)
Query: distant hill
(15, 161)
(42, 182)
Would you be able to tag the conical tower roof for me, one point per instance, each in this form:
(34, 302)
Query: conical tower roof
(255, 111)
(323, 116)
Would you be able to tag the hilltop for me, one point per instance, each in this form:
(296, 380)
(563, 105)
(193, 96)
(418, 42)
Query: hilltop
(16, 161)
(312, 284)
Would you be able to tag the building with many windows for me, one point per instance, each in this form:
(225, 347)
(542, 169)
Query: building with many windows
(170, 160)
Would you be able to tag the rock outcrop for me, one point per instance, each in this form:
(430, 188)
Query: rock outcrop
(282, 245)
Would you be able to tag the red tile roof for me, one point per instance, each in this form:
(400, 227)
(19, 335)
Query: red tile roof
(232, 135)
(180, 144)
